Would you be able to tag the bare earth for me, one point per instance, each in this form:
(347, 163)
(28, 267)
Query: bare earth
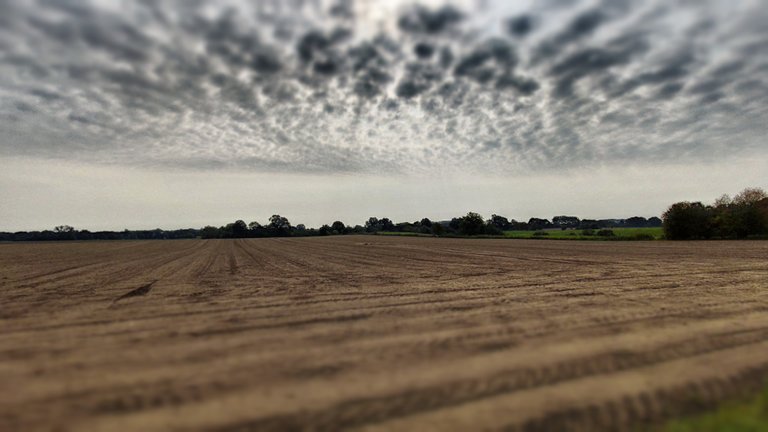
(375, 333)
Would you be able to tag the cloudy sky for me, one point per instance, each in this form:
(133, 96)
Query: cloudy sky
(142, 114)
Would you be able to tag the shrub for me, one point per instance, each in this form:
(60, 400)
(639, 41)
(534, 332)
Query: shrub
(606, 233)
(643, 236)
(540, 234)
(588, 232)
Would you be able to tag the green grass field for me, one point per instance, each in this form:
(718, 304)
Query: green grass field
(556, 234)
(745, 416)
(619, 234)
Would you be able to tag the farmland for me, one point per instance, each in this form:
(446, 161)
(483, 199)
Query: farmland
(376, 333)
(571, 234)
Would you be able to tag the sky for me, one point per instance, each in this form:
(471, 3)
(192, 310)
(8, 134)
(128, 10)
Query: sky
(171, 114)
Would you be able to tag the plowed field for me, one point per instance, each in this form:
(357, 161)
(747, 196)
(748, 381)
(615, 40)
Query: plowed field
(376, 333)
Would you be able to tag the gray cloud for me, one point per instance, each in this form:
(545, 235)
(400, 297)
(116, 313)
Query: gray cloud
(328, 86)
(424, 20)
(520, 26)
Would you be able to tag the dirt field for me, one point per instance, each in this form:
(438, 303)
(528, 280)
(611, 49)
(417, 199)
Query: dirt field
(375, 333)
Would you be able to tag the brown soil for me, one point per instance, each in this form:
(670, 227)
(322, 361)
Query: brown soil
(376, 333)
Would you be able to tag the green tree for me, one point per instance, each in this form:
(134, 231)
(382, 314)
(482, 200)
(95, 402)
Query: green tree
(210, 232)
(472, 224)
(338, 227)
(687, 220)
(239, 229)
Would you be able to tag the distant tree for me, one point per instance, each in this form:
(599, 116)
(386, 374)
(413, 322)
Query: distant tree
(375, 224)
(654, 222)
(279, 225)
(723, 201)
(472, 224)
(453, 225)
(438, 229)
(372, 224)
(749, 219)
(386, 224)
(636, 222)
(64, 232)
(749, 196)
(358, 229)
(499, 222)
(741, 216)
(591, 224)
(491, 229)
(538, 224)
(210, 232)
(239, 229)
(687, 220)
(324, 230)
(426, 223)
(338, 227)
(565, 222)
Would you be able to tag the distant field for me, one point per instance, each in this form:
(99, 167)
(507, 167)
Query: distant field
(749, 415)
(557, 234)
(619, 234)
(376, 333)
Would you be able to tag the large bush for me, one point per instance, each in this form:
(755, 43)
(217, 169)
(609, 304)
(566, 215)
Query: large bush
(687, 220)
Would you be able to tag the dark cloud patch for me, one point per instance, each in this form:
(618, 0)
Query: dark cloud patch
(238, 49)
(312, 44)
(423, 50)
(520, 26)
(420, 19)
(583, 25)
(484, 62)
(673, 70)
(370, 82)
(408, 88)
(446, 57)
(45, 94)
(419, 77)
(370, 67)
(669, 90)
(524, 86)
(593, 61)
(122, 41)
(77, 118)
(342, 9)
(709, 90)
(24, 107)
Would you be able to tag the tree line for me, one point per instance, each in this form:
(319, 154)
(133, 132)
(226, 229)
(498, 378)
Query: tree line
(743, 216)
(471, 224)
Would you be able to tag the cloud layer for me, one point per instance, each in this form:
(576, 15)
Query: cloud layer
(375, 87)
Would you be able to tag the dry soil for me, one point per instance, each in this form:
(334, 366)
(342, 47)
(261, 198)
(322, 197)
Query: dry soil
(377, 333)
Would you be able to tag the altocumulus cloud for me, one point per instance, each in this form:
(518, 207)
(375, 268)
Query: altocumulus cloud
(383, 86)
